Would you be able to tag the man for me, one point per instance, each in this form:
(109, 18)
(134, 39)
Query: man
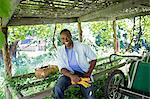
(75, 60)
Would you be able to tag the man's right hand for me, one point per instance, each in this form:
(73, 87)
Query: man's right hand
(75, 78)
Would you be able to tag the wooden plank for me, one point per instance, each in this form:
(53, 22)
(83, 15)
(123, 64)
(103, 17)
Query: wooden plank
(112, 11)
(32, 84)
(40, 95)
(14, 4)
(24, 76)
(36, 21)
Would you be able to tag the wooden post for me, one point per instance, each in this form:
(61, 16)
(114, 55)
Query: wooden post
(7, 62)
(116, 45)
(80, 31)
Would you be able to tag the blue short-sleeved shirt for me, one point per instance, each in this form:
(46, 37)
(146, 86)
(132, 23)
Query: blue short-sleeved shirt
(72, 60)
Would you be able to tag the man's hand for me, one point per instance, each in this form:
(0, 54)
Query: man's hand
(84, 82)
(75, 78)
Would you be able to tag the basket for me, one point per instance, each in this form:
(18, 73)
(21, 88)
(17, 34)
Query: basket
(44, 71)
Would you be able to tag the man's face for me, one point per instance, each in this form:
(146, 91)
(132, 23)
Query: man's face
(66, 39)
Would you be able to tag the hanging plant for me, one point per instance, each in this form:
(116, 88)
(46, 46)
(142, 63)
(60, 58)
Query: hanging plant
(4, 13)
(2, 39)
(5, 8)
(2, 36)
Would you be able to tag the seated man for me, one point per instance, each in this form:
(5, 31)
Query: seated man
(75, 60)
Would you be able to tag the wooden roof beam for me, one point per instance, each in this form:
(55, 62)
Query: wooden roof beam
(36, 21)
(111, 11)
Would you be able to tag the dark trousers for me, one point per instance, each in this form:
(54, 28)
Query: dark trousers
(64, 82)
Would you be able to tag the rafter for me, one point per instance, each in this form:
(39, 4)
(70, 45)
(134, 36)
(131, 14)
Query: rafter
(33, 21)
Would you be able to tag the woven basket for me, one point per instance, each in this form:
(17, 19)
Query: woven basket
(45, 71)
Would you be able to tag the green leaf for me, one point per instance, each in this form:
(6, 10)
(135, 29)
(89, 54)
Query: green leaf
(23, 37)
(5, 7)
(2, 39)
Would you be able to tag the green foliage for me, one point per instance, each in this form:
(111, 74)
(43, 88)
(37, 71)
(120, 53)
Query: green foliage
(104, 30)
(43, 58)
(99, 87)
(1, 94)
(2, 39)
(40, 32)
(21, 64)
(5, 7)
(123, 24)
(73, 92)
(24, 64)
(146, 23)
(27, 84)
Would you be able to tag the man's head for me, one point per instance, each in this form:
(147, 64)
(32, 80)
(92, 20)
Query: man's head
(66, 38)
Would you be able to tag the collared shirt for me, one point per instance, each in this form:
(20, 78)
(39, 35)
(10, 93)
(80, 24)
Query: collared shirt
(83, 54)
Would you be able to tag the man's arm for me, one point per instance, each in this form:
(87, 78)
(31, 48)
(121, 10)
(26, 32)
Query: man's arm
(66, 72)
(92, 65)
(92, 57)
(73, 77)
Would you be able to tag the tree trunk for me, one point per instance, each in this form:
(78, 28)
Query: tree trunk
(7, 62)
(13, 49)
(6, 54)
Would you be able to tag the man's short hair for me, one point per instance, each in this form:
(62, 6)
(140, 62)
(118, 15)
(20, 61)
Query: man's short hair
(65, 31)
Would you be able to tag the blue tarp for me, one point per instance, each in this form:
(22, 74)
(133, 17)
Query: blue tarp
(26, 41)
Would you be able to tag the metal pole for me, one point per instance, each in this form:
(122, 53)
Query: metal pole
(129, 92)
